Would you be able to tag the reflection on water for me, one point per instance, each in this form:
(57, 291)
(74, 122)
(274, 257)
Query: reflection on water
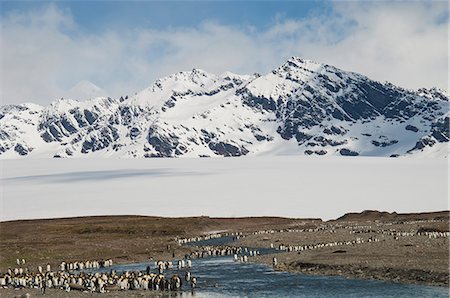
(222, 277)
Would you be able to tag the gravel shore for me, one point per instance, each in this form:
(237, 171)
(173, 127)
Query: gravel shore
(412, 258)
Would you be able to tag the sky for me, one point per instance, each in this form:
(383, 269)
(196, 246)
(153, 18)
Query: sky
(69, 49)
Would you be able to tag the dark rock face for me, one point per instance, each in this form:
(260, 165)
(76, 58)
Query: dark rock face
(164, 146)
(47, 137)
(411, 128)
(79, 117)
(102, 139)
(127, 114)
(378, 95)
(260, 138)
(322, 141)
(207, 136)
(384, 143)
(357, 110)
(90, 116)
(259, 103)
(334, 130)
(348, 152)
(21, 150)
(55, 128)
(439, 134)
(225, 149)
(440, 130)
(426, 141)
(320, 152)
(134, 133)
(302, 137)
(4, 135)
(55, 132)
(68, 126)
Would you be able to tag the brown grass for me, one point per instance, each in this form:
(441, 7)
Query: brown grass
(122, 238)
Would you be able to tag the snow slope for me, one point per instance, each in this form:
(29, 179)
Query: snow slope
(300, 108)
(285, 186)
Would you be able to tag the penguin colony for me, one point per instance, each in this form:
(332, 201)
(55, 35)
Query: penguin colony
(70, 277)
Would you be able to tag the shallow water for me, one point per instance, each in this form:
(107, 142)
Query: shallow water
(222, 277)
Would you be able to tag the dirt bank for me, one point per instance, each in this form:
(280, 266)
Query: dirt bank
(125, 239)
(401, 249)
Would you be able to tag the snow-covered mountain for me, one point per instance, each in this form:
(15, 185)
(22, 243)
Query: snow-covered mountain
(84, 90)
(302, 107)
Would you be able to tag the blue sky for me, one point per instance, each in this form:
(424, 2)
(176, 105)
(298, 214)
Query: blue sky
(48, 48)
(104, 15)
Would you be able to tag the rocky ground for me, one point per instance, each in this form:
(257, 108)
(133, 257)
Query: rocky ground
(398, 254)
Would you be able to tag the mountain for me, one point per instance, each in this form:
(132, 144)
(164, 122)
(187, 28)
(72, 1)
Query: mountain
(85, 89)
(302, 107)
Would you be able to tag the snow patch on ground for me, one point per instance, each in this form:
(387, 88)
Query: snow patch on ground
(288, 186)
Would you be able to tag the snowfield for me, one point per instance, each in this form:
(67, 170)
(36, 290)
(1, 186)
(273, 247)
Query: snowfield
(288, 186)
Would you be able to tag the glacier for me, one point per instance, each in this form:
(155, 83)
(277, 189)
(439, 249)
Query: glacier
(289, 186)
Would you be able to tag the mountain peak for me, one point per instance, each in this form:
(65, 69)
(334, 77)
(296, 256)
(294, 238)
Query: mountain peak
(299, 67)
(296, 61)
(228, 75)
(62, 104)
(85, 90)
(198, 71)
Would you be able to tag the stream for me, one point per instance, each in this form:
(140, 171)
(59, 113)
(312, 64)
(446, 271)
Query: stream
(223, 277)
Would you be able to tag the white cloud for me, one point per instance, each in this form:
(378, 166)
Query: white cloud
(44, 53)
(406, 43)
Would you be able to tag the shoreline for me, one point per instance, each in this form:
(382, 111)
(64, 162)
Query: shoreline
(386, 274)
